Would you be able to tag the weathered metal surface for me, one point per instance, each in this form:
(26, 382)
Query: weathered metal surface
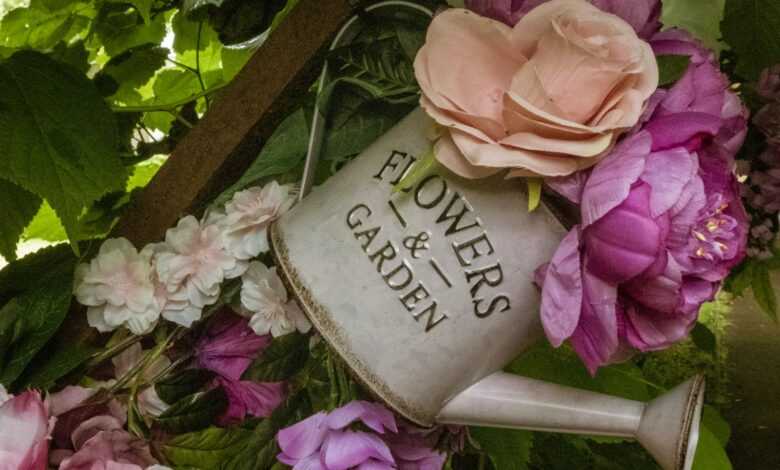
(220, 148)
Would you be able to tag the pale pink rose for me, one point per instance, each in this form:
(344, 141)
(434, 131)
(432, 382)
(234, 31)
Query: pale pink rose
(265, 299)
(191, 265)
(117, 287)
(547, 97)
(24, 432)
(110, 449)
(248, 215)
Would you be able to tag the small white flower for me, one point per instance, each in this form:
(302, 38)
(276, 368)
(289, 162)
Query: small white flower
(248, 215)
(117, 287)
(263, 295)
(191, 265)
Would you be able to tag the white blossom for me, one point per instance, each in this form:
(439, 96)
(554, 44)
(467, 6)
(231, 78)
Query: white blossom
(248, 215)
(191, 265)
(4, 395)
(117, 287)
(264, 297)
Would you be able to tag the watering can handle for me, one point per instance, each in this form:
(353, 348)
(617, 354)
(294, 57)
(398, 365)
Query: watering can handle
(317, 133)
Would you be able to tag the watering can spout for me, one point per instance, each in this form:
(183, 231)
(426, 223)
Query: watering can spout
(667, 426)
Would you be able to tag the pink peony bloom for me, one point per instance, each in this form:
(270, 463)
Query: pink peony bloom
(117, 287)
(660, 231)
(108, 448)
(248, 215)
(547, 97)
(330, 441)
(265, 298)
(24, 432)
(191, 265)
(229, 346)
(643, 15)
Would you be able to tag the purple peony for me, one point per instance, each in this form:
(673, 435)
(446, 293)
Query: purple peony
(228, 348)
(359, 435)
(642, 15)
(660, 230)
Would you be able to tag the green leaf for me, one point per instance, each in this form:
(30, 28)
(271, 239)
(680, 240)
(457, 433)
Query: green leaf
(285, 356)
(421, 168)
(55, 361)
(143, 7)
(750, 27)
(562, 366)
(284, 151)
(741, 277)
(45, 226)
(40, 28)
(508, 449)
(704, 338)
(233, 60)
(20, 275)
(534, 193)
(671, 68)
(29, 320)
(194, 412)
(17, 209)
(133, 68)
(763, 290)
(174, 85)
(181, 384)
(59, 138)
(206, 449)
(191, 6)
(719, 427)
(699, 17)
(120, 30)
(710, 454)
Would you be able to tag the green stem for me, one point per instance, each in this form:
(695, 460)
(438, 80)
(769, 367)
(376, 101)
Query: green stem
(197, 63)
(168, 106)
(113, 351)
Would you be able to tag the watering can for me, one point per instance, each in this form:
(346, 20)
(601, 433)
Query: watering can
(428, 293)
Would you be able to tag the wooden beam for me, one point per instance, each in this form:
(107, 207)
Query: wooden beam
(221, 147)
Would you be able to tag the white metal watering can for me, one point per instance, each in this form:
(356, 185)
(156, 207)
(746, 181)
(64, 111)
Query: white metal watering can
(427, 294)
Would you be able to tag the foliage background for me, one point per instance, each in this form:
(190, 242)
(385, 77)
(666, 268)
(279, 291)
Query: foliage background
(95, 94)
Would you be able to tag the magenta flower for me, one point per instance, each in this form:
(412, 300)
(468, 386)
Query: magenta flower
(660, 230)
(642, 15)
(24, 428)
(248, 398)
(355, 436)
(230, 346)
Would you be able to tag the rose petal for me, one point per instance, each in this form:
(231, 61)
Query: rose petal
(562, 290)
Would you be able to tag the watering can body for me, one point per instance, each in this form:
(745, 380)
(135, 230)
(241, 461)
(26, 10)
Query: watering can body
(427, 293)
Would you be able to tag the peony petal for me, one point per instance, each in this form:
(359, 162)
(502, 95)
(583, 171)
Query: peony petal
(570, 186)
(562, 290)
(373, 415)
(303, 438)
(611, 179)
(627, 241)
(668, 173)
(596, 338)
(676, 129)
(346, 449)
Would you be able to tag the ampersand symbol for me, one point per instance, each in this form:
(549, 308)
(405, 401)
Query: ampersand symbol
(417, 243)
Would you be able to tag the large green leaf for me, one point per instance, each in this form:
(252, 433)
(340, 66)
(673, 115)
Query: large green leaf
(508, 449)
(59, 138)
(61, 356)
(700, 17)
(133, 68)
(40, 28)
(206, 449)
(285, 356)
(194, 412)
(29, 320)
(284, 151)
(751, 28)
(120, 29)
(181, 384)
(710, 454)
(17, 209)
(20, 275)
